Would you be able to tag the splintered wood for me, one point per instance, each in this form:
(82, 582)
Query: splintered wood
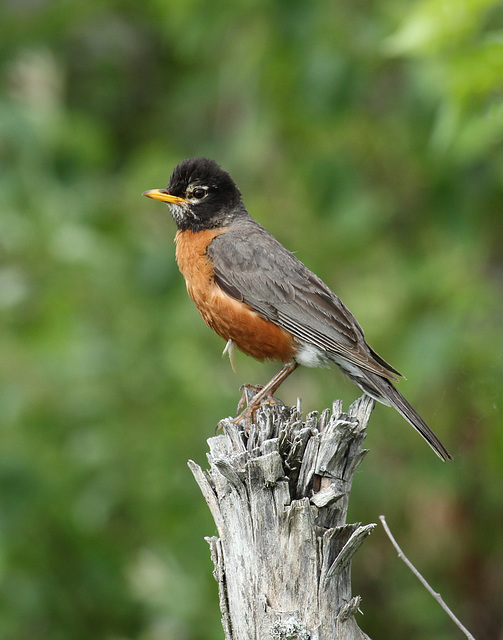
(279, 498)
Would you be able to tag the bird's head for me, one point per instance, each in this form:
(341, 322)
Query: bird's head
(200, 195)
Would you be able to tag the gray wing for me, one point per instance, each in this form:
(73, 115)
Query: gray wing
(253, 267)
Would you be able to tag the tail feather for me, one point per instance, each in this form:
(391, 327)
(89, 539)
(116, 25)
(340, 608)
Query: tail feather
(383, 391)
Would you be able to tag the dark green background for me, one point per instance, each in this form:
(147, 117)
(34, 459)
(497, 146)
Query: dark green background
(367, 136)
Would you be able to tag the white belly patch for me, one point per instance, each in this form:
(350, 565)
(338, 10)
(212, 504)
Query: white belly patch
(310, 356)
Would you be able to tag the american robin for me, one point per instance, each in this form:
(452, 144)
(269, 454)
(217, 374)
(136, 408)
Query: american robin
(258, 296)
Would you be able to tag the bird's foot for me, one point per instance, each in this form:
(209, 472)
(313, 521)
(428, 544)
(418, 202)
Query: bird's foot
(249, 391)
(219, 427)
(246, 417)
(249, 395)
(253, 398)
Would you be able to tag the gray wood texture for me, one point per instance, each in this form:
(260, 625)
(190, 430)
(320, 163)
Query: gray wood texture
(279, 498)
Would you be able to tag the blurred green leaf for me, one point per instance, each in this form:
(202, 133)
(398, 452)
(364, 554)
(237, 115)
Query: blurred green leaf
(367, 138)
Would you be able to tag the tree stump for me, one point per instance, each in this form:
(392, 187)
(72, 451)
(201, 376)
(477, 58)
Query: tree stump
(279, 498)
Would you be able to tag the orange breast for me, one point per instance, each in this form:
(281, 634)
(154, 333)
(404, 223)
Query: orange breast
(230, 319)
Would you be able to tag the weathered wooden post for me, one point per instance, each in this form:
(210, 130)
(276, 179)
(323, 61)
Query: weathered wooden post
(279, 498)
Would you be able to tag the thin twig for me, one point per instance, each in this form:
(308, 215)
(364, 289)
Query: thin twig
(436, 595)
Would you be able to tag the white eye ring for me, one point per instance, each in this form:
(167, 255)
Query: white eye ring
(198, 193)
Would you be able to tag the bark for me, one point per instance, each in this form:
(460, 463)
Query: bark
(279, 498)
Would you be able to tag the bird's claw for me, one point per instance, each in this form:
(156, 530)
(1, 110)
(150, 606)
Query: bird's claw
(248, 398)
(249, 392)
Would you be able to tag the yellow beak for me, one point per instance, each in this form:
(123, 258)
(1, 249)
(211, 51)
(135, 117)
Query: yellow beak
(163, 196)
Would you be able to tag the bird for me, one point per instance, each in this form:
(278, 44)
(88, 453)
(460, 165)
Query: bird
(259, 297)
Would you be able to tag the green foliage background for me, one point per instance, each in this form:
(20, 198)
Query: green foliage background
(367, 136)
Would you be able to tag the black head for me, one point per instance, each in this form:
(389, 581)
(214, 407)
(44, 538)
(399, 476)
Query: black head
(200, 195)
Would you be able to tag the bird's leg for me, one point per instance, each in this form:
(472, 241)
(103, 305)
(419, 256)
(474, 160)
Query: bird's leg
(265, 392)
(248, 393)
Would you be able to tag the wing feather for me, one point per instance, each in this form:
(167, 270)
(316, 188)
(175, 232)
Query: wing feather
(253, 267)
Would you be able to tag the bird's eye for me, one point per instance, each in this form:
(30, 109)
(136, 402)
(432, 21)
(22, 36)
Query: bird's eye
(198, 193)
